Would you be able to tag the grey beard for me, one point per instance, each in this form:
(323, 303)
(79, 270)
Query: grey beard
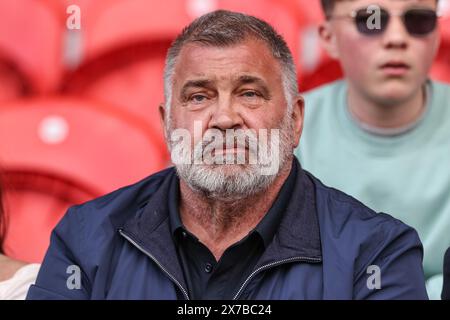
(234, 182)
(216, 184)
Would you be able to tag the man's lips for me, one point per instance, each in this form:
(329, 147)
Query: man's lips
(395, 68)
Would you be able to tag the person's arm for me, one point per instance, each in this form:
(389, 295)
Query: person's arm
(393, 268)
(61, 275)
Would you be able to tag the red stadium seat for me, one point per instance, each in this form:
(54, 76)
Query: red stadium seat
(13, 83)
(445, 19)
(327, 71)
(441, 67)
(30, 37)
(36, 201)
(109, 25)
(130, 78)
(77, 137)
(124, 48)
(85, 149)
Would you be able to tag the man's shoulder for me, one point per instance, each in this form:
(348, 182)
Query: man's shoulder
(342, 214)
(359, 237)
(122, 203)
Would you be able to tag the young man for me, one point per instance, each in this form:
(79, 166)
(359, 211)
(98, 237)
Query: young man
(230, 230)
(383, 133)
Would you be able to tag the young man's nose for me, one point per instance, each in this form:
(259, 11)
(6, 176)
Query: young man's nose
(396, 36)
(225, 115)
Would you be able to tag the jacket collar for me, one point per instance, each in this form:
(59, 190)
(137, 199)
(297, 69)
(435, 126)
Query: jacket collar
(297, 236)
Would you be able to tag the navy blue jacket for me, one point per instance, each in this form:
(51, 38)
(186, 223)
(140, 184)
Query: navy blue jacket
(328, 246)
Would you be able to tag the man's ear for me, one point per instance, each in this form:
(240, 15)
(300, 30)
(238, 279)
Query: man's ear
(298, 115)
(328, 39)
(162, 114)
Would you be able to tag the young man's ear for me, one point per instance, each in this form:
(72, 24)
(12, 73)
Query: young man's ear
(328, 39)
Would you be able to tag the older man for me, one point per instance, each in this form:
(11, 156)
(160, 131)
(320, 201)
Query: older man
(237, 218)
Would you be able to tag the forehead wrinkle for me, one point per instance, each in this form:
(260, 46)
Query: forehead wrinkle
(244, 79)
(203, 81)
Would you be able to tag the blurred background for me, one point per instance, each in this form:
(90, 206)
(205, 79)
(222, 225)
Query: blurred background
(80, 85)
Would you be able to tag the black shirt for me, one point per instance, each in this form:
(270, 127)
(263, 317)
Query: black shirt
(207, 278)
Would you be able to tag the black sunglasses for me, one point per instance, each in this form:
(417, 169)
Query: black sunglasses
(418, 22)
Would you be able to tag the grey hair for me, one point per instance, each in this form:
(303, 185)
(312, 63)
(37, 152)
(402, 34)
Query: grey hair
(225, 28)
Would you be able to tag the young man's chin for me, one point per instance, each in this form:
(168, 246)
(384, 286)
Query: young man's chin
(395, 91)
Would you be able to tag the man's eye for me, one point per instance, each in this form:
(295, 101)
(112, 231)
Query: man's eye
(196, 98)
(250, 94)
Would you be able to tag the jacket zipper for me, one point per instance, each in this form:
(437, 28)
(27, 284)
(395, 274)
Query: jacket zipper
(184, 291)
(270, 265)
(262, 268)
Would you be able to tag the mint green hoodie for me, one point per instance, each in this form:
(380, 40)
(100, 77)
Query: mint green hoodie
(405, 175)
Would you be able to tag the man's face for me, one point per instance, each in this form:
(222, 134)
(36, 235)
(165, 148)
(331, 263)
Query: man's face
(223, 88)
(387, 68)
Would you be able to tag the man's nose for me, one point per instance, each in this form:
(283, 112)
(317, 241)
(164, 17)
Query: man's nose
(225, 115)
(396, 36)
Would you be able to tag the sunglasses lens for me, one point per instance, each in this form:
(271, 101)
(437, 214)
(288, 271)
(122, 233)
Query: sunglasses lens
(369, 23)
(420, 22)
